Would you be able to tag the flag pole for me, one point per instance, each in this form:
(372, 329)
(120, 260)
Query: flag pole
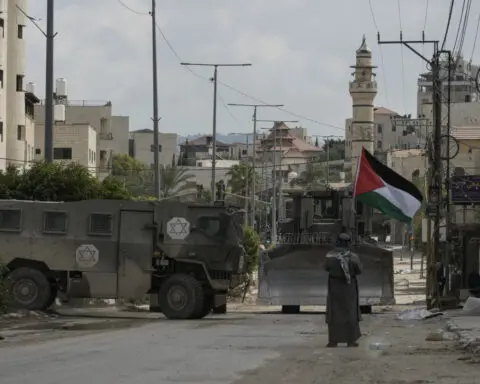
(354, 200)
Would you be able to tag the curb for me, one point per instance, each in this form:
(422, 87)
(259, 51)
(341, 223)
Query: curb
(466, 340)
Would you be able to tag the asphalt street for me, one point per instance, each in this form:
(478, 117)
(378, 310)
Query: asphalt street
(212, 350)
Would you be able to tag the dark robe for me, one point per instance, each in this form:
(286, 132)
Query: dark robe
(343, 307)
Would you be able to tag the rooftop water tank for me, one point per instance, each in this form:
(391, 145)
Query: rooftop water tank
(61, 87)
(59, 112)
(31, 87)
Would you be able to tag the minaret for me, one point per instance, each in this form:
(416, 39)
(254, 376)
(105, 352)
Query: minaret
(363, 90)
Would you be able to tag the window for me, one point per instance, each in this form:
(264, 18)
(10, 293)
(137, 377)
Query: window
(212, 226)
(379, 128)
(38, 151)
(101, 224)
(20, 31)
(394, 128)
(20, 132)
(55, 222)
(2, 26)
(379, 145)
(152, 148)
(1, 131)
(62, 153)
(1, 78)
(10, 220)
(244, 152)
(19, 83)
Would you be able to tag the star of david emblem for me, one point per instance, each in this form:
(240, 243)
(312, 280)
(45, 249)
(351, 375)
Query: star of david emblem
(87, 255)
(178, 228)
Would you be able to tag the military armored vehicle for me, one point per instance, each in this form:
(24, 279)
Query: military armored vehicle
(187, 255)
(291, 274)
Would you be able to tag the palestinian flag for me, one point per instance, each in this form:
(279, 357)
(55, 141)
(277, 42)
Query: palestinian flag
(380, 187)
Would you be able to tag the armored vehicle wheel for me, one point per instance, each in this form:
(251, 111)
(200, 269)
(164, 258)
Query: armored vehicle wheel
(206, 309)
(220, 310)
(181, 297)
(30, 289)
(52, 298)
(291, 309)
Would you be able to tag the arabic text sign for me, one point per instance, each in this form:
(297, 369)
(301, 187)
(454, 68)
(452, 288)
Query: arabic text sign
(465, 189)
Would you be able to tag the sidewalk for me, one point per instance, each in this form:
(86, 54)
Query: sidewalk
(467, 328)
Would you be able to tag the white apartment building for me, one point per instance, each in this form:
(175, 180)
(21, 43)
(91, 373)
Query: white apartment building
(73, 142)
(112, 132)
(141, 147)
(16, 126)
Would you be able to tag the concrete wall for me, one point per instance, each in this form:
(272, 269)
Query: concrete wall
(143, 145)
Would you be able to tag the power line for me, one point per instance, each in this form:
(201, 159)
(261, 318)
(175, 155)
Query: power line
(384, 75)
(131, 9)
(476, 38)
(172, 49)
(402, 57)
(449, 20)
(426, 16)
(460, 23)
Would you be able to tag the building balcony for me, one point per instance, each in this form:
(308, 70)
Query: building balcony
(105, 136)
(366, 86)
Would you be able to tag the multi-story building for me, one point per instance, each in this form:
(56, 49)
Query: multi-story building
(464, 96)
(73, 142)
(141, 147)
(16, 101)
(112, 132)
(202, 148)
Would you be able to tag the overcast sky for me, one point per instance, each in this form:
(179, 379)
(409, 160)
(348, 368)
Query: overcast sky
(301, 51)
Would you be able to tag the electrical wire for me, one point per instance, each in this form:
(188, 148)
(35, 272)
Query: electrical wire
(476, 38)
(404, 97)
(449, 20)
(127, 7)
(384, 74)
(175, 53)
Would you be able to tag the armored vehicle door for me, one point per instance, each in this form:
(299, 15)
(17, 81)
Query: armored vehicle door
(135, 252)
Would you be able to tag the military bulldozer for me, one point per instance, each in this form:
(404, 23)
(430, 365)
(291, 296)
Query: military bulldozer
(187, 255)
(291, 274)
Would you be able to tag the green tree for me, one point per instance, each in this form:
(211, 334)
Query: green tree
(252, 249)
(240, 175)
(125, 165)
(57, 182)
(174, 180)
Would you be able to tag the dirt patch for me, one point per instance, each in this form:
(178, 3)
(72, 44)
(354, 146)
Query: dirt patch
(403, 357)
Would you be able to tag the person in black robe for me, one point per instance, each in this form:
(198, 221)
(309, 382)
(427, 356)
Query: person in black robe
(343, 309)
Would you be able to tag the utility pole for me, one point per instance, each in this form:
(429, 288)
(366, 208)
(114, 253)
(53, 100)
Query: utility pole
(255, 106)
(435, 184)
(280, 190)
(50, 35)
(214, 79)
(156, 119)
(247, 175)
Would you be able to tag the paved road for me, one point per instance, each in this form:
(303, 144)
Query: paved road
(212, 350)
